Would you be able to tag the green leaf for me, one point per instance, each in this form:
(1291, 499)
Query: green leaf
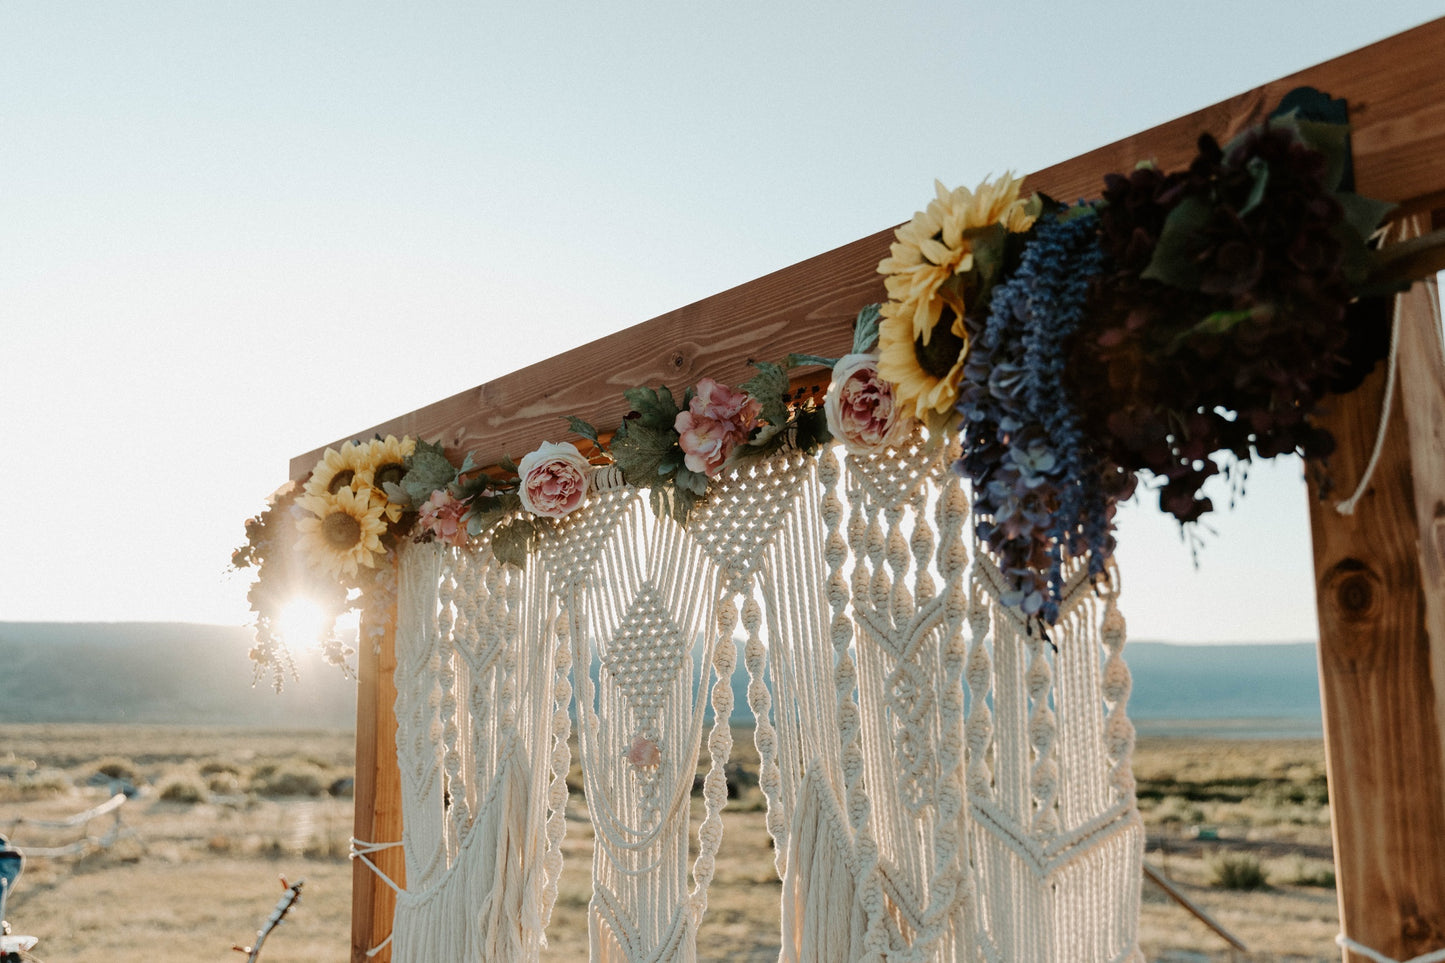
(691, 481)
(865, 330)
(769, 440)
(643, 450)
(1331, 140)
(582, 428)
(507, 465)
(397, 495)
(645, 446)
(770, 388)
(428, 469)
(1258, 169)
(988, 251)
(669, 501)
(512, 542)
(808, 361)
(1220, 322)
(1363, 214)
(653, 407)
(1171, 263)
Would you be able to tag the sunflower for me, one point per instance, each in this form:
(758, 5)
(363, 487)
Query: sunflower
(938, 244)
(340, 530)
(338, 469)
(925, 375)
(922, 338)
(384, 460)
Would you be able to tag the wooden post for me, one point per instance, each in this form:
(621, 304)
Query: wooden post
(1381, 594)
(378, 795)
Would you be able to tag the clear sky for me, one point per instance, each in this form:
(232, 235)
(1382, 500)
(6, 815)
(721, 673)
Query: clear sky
(231, 232)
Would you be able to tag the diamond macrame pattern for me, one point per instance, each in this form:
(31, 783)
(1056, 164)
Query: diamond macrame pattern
(744, 513)
(570, 550)
(892, 477)
(646, 652)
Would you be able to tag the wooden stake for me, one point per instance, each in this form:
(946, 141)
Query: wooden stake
(377, 794)
(1380, 589)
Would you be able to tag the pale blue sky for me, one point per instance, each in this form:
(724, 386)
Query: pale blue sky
(230, 232)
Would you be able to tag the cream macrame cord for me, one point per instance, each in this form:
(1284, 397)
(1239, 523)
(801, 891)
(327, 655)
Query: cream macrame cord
(942, 786)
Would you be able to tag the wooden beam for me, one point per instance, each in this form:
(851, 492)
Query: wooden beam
(1397, 105)
(377, 796)
(1381, 596)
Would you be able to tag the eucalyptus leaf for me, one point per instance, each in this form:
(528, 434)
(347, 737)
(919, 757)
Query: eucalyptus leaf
(865, 329)
(585, 429)
(808, 361)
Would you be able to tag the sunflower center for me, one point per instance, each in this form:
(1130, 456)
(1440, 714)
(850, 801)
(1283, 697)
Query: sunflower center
(342, 479)
(341, 530)
(391, 472)
(940, 354)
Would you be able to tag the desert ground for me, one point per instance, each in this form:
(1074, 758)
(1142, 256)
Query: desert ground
(190, 869)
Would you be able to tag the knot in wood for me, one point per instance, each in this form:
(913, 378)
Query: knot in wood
(1353, 591)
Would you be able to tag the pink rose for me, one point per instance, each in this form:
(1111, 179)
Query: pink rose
(860, 407)
(716, 421)
(442, 516)
(554, 479)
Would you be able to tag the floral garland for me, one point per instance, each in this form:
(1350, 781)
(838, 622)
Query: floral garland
(1182, 325)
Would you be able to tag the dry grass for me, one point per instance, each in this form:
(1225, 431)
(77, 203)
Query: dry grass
(201, 876)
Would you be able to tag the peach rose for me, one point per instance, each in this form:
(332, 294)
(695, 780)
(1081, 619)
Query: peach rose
(716, 421)
(554, 479)
(860, 407)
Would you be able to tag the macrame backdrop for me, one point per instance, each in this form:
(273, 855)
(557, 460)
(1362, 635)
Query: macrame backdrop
(943, 784)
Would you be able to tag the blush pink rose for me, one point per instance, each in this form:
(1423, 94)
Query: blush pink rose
(554, 479)
(441, 515)
(716, 421)
(860, 407)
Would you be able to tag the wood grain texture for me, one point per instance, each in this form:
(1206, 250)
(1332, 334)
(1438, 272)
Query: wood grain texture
(377, 798)
(1381, 597)
(1397, 101)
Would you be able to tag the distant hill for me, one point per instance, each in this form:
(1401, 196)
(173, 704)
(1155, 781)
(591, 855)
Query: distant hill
(1274, 680)
(170, 673)
(161, 673)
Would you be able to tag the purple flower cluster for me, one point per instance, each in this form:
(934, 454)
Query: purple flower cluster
(1042, 494)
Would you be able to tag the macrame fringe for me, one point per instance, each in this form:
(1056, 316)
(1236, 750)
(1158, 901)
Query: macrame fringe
(942, 784)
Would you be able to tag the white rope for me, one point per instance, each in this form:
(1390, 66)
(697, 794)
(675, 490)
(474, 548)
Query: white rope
(360, 850)
(1347, 507)
(1438, 956)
